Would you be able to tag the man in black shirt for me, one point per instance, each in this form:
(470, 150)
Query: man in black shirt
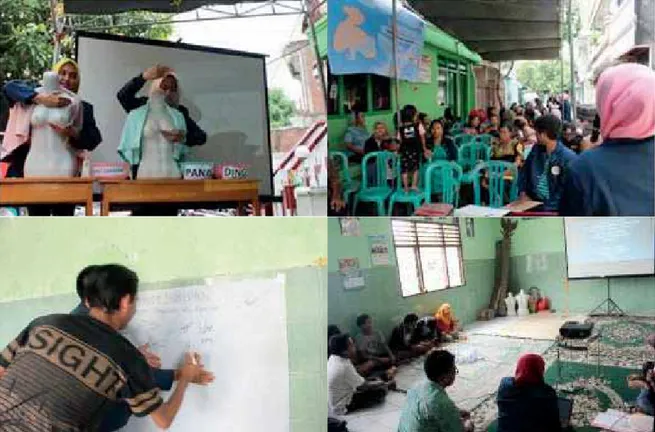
(62, 372)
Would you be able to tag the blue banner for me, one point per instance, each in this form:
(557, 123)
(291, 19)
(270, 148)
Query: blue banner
(360, 38)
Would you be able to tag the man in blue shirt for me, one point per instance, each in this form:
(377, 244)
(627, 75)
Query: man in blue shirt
(119, 414)
(543, 174)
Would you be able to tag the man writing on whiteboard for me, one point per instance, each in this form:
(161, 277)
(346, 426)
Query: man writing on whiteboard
(119, 414)
(63, 372)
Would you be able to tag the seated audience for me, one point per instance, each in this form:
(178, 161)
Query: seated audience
(446, 322)
(428, 407)
(525, 401)
(404, 342)
(347, 390)
(542, 176)
(427, 330)
(379, 141)
(571, 138)
(439, 143)
(371, 343)
(617, 177)
(505, 148)
(473, 125)
(493, 126)
(355, 137)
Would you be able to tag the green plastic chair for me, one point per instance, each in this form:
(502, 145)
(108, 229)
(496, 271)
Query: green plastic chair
(471, 154)
(469, 157)
(496, 175)
(443, 178)
(347, 185)
(462, 139)
(379, 191)
(439, 153)
(415, 198)
(484, 139)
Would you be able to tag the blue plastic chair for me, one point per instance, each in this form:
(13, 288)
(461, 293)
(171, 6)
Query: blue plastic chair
(484, 139)
(415, 198)
(443, 178)
(439, 153)
(469, 157)
(379, 191)
(496, 171)
(347, 185)
(471, 154)
(462, 139)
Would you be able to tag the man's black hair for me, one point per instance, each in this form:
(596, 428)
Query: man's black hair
(410, 319)
(107, 284)
(338, 345)
(333, 330)
(438, 363)
(548, 124)
(86, 273)
(361, 320)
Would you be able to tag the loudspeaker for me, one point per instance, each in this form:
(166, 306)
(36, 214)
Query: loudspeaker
(576, 330)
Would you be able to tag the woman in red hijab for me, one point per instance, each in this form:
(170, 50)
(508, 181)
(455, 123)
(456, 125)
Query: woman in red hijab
(525, 401)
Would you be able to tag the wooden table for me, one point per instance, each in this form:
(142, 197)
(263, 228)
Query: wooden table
(47, 190)
(168, 191)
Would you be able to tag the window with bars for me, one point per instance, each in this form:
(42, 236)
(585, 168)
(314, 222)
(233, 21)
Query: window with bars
(429, 256)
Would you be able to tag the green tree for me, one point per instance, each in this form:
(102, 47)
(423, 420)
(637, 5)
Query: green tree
(543, 75)
(281, 108)
(26, 35)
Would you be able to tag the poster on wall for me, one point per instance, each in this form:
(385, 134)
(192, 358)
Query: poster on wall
(379, 250)
(350, 227)
(425, 70)
(353, 277)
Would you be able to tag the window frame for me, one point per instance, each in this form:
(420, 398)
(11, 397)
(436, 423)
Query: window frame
(419, 266)
(369, 97)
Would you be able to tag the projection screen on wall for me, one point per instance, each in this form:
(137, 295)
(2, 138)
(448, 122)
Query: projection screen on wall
(225, 92)
(604, 247)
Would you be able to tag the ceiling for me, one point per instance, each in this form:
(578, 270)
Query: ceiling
(99, 7)
(499, 30)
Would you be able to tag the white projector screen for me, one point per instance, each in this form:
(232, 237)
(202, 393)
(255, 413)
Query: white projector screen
(604, 247)
(225, 92)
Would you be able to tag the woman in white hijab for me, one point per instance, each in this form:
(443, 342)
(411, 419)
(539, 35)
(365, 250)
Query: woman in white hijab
(153, 135)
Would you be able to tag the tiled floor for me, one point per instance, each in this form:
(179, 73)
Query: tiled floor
(490, 353)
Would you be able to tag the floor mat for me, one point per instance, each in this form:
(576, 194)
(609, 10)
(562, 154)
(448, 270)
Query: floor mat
(482, 361)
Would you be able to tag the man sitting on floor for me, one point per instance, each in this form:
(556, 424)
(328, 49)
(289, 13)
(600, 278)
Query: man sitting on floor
(371, 344)
(428, 407)
(348, 390)
(406, 342)
(366, 368)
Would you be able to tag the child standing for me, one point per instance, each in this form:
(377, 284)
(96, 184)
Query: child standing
(412, 142)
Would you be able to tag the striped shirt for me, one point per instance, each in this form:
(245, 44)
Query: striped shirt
(64, 371)
(542, 191)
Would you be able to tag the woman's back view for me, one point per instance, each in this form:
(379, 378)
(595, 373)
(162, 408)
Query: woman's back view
(525, 402)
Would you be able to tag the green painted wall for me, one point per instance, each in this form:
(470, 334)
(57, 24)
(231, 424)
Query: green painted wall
(381, 297)
(422, 95)
(546, 237)
(41, 258)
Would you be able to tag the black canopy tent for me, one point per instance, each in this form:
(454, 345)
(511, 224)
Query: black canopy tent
(499, 30)
(258, 8)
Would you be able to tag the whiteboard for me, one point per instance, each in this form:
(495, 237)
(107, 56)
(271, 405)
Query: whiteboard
(239, 327)
(225, 92)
